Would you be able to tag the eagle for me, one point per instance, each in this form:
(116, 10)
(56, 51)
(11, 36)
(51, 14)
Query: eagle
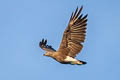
(71, 44)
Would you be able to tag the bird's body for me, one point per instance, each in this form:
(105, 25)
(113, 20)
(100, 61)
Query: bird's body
(63, 58)
(70, 45)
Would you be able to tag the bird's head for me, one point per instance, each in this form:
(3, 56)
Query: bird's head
(49, 54)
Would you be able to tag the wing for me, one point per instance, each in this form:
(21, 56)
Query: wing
(45, 47)
(74, 34)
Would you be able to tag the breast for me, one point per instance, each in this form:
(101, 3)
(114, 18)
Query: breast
(59, 57)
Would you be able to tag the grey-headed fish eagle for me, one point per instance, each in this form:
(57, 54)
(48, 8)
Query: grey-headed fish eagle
(71, 44)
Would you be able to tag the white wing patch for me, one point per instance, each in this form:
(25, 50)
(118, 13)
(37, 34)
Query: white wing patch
(69, 59)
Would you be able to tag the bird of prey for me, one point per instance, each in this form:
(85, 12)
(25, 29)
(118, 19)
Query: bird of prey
(71, 44)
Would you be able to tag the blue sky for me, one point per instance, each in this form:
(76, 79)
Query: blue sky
(23, 23)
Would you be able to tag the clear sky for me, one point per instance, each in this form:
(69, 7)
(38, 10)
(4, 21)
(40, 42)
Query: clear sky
(23, 23)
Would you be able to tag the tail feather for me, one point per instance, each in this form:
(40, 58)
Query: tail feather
(81, 62)
(78, 62)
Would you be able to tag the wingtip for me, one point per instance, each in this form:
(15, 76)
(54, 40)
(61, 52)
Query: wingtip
(81, 6)
(45, 42)
(77, 8)
(42, 40)
(40, 44)
(86, 14)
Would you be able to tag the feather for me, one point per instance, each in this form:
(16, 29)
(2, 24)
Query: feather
(74, 34)
(45, 47)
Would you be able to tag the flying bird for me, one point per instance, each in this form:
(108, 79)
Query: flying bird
(71, 44)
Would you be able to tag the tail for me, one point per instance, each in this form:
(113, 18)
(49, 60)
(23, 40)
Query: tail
(78, 62)
(81, 62)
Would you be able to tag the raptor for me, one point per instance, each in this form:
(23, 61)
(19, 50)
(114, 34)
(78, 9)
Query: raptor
(71, 44)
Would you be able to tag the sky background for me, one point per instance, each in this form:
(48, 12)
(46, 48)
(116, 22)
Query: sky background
(23, 23)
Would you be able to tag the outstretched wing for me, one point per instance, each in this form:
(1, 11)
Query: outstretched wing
(45, 47)
(74, 34)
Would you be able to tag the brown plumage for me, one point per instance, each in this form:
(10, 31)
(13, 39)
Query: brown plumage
(70, 45)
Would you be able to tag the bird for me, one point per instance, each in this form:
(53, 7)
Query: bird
(72, 40)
